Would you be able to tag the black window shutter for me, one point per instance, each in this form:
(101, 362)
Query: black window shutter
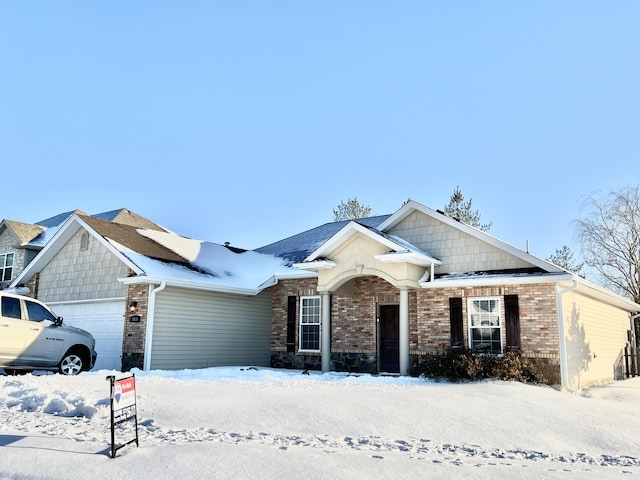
(291, 323)
(455, 318)
(512, 321)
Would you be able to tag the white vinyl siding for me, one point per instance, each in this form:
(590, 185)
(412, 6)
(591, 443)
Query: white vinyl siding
(595, 336)
(198, 329)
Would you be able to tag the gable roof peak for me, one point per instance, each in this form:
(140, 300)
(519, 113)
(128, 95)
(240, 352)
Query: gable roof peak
(25, 232)
(58, 219)
(412, 206)
(125, 216)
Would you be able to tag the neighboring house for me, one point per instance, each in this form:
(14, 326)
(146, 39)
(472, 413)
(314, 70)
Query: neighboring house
(373, 295)
(21, 242)
(154, 299)
(15, 252)
(385, 291)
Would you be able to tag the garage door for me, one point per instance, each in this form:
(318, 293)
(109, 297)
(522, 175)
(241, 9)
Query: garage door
(104, 320)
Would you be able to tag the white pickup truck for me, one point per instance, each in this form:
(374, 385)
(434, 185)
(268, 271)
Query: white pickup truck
(32, 337)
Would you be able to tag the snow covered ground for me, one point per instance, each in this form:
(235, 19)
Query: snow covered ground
(246, 423)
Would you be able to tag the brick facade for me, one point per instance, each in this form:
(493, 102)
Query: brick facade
(282, 291)
(135, 332)
(354, 322)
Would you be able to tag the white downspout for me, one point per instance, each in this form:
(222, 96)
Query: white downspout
(427, 276)
(151, 313)
(564, 368)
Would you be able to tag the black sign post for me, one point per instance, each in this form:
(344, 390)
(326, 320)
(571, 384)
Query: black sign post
(123, 408)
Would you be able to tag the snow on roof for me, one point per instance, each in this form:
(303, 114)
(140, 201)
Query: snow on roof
(42, 239)
(211, 265)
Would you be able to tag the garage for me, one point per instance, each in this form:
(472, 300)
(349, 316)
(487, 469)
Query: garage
(104, 319)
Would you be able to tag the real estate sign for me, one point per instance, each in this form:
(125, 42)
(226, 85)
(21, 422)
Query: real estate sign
(123, 408)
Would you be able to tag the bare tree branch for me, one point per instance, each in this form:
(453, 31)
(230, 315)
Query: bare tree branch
(609, 233)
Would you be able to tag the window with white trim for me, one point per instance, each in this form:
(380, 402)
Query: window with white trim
(309, 324)
(6, 266)
(485, 326)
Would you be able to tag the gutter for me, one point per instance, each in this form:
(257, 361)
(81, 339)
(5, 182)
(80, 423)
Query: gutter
(489, 281)
(137, 280)
(564, 368)
(151, 313)
(191, 285)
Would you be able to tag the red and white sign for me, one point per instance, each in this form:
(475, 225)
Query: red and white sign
(124, 399)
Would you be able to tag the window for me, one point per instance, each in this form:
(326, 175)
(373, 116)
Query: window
(11, 307)
(84, 241)
(485, 335)
(310, 324)
(37, 312)
(6, 266)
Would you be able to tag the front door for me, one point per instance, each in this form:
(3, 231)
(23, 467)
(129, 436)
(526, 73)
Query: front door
(389, 343)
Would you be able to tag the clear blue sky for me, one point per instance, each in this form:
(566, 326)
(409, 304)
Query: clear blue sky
(250, 121)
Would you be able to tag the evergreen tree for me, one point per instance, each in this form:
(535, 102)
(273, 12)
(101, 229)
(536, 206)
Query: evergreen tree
(564, 259)
(350, 210)
(461, 210)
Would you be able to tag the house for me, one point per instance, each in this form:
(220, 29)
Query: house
(371, 295)
(154, 299)
(20, 242)
(388, 290)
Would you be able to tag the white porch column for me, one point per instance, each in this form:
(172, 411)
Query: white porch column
(404, 331)
(325, 347)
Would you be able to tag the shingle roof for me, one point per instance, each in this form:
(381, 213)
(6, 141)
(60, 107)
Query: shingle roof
(129, 237)
(298, 247)
(24, 231)
(127, 217)
(58, 219)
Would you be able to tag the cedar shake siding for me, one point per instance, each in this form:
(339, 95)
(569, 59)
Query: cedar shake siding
(437, 321)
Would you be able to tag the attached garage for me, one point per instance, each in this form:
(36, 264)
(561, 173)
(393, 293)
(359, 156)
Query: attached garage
(104, 320)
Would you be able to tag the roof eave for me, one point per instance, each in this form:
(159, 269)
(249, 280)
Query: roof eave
(144, 280)
(600, 293)
(491, 281)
